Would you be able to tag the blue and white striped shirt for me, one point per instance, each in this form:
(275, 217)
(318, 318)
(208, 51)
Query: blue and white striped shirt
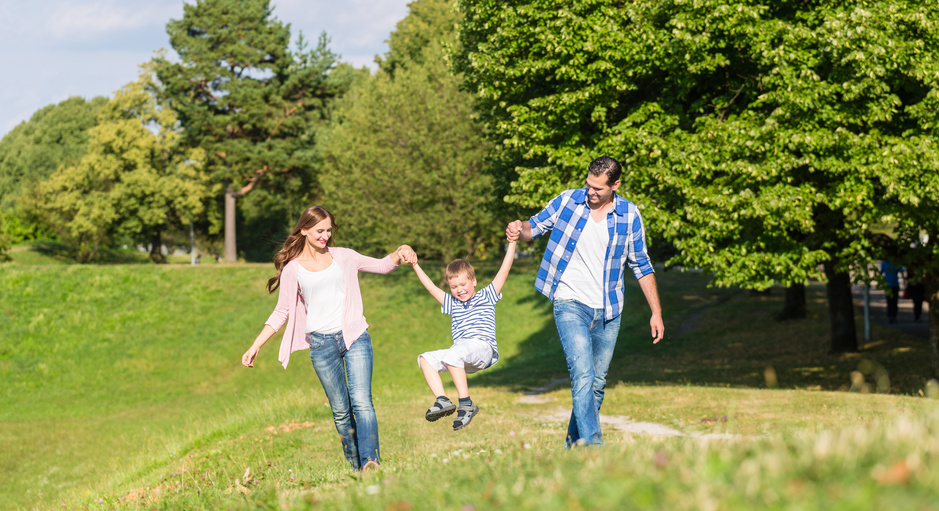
(565, 216)
(475, 318)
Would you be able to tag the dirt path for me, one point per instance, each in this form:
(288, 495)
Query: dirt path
(621, 423)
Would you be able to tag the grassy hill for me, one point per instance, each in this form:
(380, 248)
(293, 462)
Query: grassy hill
(121, 387)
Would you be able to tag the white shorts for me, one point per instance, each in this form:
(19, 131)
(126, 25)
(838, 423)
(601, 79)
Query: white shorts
(470, 354)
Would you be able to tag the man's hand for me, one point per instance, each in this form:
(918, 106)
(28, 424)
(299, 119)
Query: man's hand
(513, 230)
(658, 328)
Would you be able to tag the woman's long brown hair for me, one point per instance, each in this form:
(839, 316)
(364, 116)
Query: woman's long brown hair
(293, 245)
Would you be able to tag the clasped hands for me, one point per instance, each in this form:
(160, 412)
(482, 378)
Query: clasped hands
(407, 255)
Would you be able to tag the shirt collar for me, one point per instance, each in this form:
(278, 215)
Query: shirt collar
(620, 205)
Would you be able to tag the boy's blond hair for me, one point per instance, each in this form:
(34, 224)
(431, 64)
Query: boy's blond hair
(460, 266)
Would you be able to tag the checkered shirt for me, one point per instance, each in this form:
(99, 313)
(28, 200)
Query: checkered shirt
(565, 216)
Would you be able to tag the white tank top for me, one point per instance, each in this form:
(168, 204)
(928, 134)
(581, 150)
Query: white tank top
(582, 280)
(324, 293)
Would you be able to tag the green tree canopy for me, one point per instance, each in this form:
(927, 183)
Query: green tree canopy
(246, 98)
(427, 22)
(55, 135)
(404, 159)
(753, 133)
(135, 180)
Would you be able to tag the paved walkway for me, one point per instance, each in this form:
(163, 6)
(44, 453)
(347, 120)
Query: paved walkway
(878, 312)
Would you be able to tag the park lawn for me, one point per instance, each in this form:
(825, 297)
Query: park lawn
(121, 387)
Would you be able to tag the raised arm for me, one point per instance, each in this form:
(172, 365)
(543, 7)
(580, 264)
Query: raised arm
(432, 288)
(503, 273)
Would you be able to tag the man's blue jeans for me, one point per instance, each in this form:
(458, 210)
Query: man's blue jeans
(346, 376)
(588, 341)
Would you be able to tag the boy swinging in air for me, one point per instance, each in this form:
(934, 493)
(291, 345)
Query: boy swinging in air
(474, 334)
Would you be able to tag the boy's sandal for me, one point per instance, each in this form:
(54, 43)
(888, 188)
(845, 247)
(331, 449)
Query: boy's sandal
(439, 410)
(464, 414)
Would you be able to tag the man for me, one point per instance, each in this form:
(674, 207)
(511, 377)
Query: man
(594, 234)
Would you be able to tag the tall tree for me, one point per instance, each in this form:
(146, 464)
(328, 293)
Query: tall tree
(135, 180)
(753, 131)
(242, 95)
(404, 159)
(428, 22)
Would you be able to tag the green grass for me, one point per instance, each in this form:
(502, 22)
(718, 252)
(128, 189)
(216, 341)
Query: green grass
(121, 383)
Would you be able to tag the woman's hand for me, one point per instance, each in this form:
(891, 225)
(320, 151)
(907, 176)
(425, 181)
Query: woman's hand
(247, 359)
(407, 255)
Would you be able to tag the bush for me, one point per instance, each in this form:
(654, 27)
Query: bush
(4, 240)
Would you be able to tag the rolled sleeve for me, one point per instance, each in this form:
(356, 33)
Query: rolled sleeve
(544, 221)
(637, 255)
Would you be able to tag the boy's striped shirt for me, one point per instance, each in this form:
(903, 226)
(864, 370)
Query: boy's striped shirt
(475, 318)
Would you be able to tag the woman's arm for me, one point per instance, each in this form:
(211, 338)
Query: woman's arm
(286, 291)
(384, 265)
(247, 359)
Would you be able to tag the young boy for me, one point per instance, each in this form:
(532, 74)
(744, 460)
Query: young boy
(474, 335)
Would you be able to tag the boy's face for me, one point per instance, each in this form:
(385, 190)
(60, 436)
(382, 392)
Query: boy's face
(461, 287)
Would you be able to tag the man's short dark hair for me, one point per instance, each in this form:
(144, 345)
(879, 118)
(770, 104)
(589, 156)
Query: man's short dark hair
(606, 166)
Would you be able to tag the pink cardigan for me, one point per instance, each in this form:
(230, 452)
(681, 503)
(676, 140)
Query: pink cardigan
(291, 308)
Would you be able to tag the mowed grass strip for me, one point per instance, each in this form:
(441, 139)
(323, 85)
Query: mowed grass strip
(122, 384)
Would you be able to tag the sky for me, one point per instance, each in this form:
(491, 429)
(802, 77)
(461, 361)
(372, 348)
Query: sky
(51, 50)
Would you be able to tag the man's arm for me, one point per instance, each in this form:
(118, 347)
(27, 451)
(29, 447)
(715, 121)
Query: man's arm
(432, 288)
(650, 290)
(518, 231)
(503, 273)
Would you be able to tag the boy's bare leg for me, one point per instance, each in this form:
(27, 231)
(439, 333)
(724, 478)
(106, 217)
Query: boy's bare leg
(432, 377)
(459, 380)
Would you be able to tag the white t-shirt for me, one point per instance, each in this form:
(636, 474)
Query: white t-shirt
(324, 292)
(583, 278)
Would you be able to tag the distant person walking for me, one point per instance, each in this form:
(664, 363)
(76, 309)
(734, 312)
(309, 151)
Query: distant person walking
(320, 300)
(891, 273)
(595, 233)
(917, 291)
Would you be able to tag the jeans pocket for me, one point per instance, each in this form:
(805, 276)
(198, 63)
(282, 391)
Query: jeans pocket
(316, 342)
(564, 306)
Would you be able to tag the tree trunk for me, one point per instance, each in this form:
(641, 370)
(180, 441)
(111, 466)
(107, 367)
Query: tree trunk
(795, 303)
(932, 296)
(840, 311)
(231, 249)
(156, 247)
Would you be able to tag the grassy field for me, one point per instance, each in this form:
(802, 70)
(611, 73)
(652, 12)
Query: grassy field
(121, 387)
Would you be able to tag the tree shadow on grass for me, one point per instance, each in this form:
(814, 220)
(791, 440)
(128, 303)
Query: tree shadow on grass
(726, 338)
(539, 358)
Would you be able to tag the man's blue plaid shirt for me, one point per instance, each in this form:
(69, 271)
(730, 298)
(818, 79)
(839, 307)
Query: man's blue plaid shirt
(565, 216)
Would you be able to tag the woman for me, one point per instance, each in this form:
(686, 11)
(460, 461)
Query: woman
(321, 303)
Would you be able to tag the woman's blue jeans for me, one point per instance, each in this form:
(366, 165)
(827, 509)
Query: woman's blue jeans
(588, 341)
(346, 376)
